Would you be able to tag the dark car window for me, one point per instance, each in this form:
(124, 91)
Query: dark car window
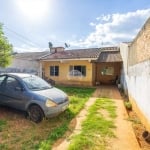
(2, 78)
(12, 83)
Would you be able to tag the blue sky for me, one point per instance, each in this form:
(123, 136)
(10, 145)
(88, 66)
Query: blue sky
(31, 24)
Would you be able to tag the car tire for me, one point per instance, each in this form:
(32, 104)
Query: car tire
(35, 113)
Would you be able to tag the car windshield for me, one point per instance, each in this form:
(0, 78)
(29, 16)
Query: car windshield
(35, 83)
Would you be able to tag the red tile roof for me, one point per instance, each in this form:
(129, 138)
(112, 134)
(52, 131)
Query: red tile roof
(78, 53)
(74, 54)
(103, 54)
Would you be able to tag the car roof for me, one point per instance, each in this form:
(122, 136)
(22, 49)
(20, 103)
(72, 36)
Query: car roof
(21, 75)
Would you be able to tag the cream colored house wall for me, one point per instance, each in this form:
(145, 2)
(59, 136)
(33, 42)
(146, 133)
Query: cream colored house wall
(64, 77)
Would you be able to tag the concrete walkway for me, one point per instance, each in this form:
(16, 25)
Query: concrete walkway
(125, 137)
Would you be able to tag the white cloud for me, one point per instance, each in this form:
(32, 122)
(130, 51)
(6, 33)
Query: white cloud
(104, 17)
(114, 28)
(92, 24)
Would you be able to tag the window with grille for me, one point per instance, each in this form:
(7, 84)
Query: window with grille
(77, 71)
(54, 70)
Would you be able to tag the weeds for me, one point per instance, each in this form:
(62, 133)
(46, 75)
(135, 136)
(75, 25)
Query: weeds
(27, 135)
(78, 97)
(128, 105)
(96, 128)
(3, 124)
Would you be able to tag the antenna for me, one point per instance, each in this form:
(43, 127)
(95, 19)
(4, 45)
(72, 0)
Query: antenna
(67, 45)
(50, 45)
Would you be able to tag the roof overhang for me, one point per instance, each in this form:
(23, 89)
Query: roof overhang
(66, 60)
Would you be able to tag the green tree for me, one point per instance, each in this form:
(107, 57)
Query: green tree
(5, 49)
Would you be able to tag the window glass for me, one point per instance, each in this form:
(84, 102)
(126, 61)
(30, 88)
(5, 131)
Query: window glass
(77, 71)
(35, 83)
(2, 79)
(54, 70)
(12, 83)
(107, 71)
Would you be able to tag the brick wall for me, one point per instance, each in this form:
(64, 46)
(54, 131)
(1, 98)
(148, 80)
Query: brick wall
(140, 47)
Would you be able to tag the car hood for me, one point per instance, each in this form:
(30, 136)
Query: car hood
(53, 94)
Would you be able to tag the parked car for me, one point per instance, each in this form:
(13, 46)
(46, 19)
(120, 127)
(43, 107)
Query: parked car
(32, 94)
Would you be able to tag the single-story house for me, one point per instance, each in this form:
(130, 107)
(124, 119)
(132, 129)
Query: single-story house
(27, 62)
(86, 67)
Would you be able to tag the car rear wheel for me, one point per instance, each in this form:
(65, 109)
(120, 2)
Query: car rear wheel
(35, 113)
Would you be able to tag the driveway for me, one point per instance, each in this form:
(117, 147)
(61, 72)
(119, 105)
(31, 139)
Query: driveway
(125, 137)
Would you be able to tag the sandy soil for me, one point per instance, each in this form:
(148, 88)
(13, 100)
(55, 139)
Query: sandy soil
(125, 137)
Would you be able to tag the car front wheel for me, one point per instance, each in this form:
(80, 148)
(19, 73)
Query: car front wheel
(35, 113)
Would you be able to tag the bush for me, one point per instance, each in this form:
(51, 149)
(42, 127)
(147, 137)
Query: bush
(128, 105)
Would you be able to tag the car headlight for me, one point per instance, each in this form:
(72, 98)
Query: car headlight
(50, 103)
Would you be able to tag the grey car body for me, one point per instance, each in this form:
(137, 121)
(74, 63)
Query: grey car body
(32, 94)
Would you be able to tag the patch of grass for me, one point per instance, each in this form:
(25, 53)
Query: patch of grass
(128, 105)
(77, 97)
(134, 120)
(3, 146)
(3, 124)
(23, 134)
(96, 129)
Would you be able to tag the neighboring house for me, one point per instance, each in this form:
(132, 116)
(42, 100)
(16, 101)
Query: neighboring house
(86, 67)
(135, 77)
(27, 62)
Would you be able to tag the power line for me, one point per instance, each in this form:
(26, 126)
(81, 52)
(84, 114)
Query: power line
(23, 37)
(27, 40)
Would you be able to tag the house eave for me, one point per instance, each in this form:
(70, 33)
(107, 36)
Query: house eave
(64, 60)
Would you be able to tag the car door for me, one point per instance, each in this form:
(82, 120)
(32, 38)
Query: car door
(2, 89)
(12, 93)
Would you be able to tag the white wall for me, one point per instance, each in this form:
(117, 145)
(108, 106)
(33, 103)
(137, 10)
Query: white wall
(136, 81)
(26, 64)
(139, 86)
(124, 77)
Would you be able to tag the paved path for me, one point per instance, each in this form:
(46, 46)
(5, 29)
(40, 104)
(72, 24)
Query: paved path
(125, 137)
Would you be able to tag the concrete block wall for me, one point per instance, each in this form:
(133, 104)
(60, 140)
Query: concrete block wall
(135, 77)
(140, 47)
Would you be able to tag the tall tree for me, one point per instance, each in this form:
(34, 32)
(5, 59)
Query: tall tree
(5, 49)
